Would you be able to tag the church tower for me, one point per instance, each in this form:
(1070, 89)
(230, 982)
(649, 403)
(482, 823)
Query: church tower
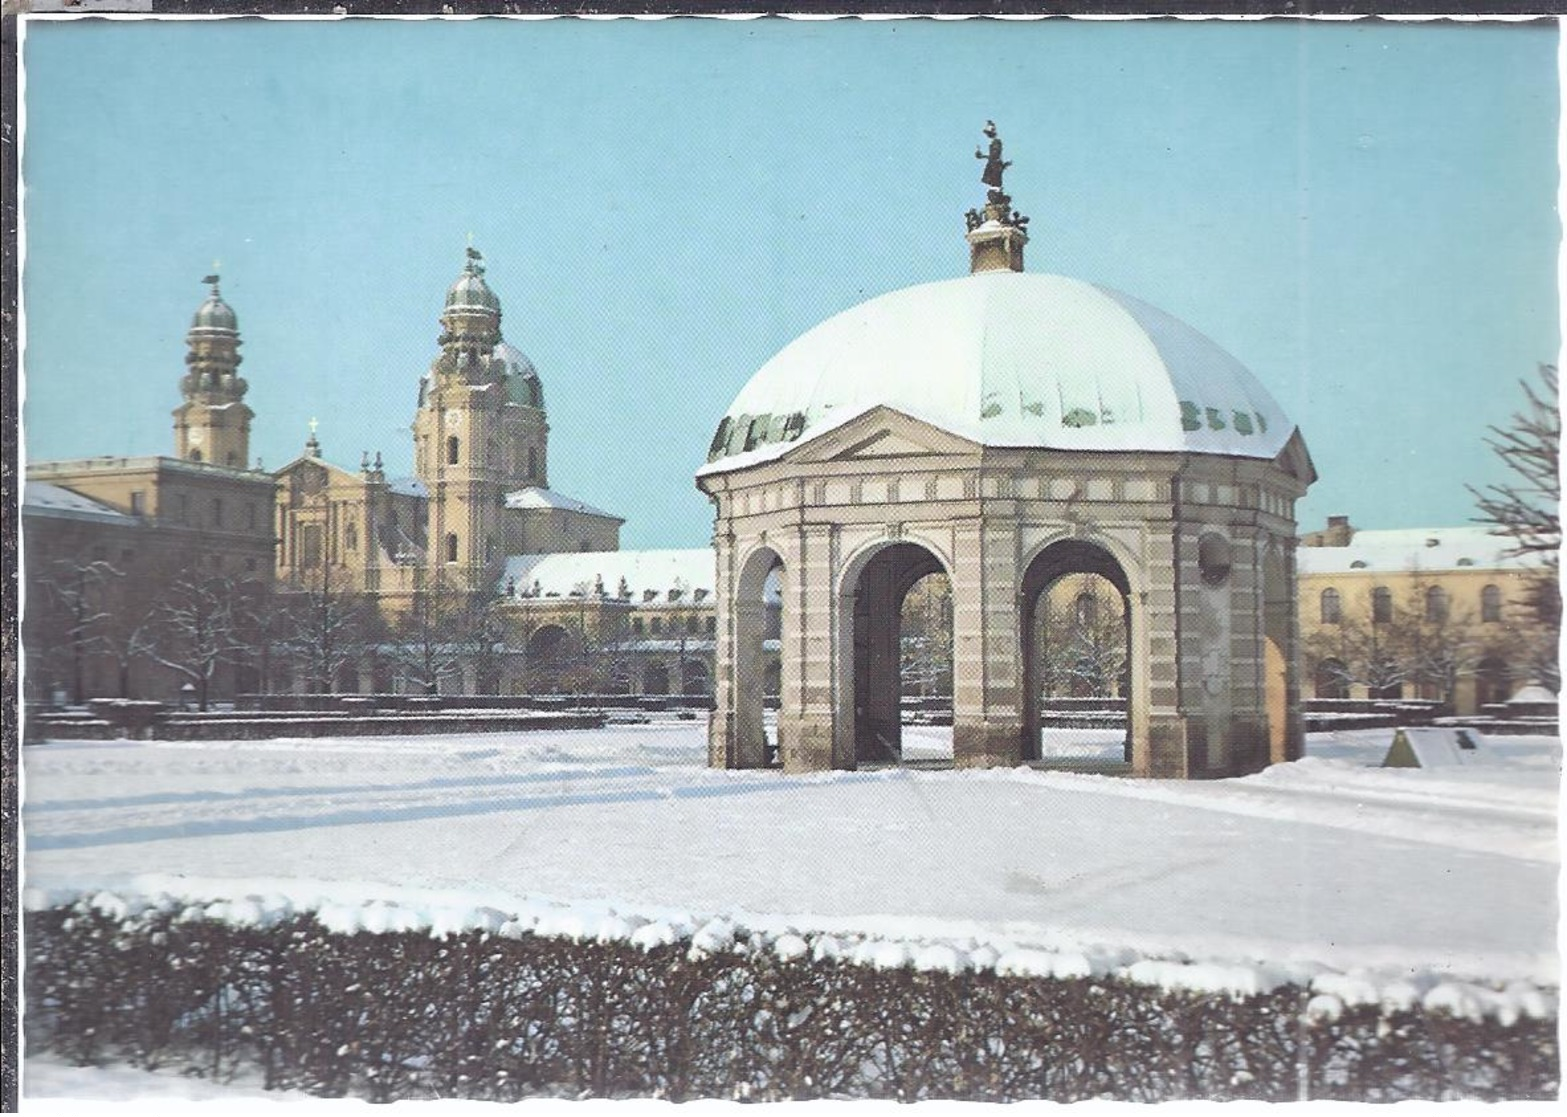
(480, 433)
(213, 424)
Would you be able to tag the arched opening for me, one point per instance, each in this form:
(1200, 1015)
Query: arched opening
(876, 684)
(695, 680)
(1076, 654)
(548, 659)
(453, 449)
(756, 616)
(655, 679)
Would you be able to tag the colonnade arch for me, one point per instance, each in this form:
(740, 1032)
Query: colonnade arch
(1055, 561)
(760, 576)
(869, 602)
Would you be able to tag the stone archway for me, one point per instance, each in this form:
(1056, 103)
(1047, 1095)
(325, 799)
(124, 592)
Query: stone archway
(1056, 561)
(870, 601)
(760, 575)
(547, 657)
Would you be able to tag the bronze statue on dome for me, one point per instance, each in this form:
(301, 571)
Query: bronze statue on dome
(995, 166)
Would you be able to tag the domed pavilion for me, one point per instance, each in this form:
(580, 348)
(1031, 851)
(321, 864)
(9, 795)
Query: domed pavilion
(1008, 430)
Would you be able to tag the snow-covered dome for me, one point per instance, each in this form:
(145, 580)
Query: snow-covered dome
(1008, 359)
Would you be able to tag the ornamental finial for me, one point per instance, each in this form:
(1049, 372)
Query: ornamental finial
(996, 233)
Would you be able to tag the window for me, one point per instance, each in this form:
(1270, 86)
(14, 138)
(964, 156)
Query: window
(217, 511)
(1436, 604)
(233, 458)
(712, 625)
(1087, 610)
(1381, 605)
(250, 516)
(195, 455)
(692, 626)
(127, 555)
(636, 625)
(453, 448)
(533, 463)
(100, 553)
(658, 625)
(309, 546)
(138, 503)
(250, 564)
(182, 506)
(451, 547)
(1332, 607)
(351, 536)
(1491, 604)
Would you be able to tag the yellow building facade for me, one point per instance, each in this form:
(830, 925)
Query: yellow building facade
(1440, 614)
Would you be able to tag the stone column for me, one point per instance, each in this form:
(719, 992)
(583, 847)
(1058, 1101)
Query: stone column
(806, 659)
(721, 722)
(1158, 730)
(987, 714)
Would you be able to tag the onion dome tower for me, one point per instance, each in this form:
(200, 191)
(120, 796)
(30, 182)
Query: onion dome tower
(479, 432)
(213, 423)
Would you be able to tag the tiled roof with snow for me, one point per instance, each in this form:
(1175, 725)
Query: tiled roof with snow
(39, 498)
(1408, 549)
(407, 486)
(689, 573)
(538, 497)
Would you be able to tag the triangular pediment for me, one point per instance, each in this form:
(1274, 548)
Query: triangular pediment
(306, 465)
(882, 433)
(1295, 460)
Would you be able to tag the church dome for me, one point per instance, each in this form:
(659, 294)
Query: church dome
(215, 314)
(522, 379)
(471, 292)
(1008, 359)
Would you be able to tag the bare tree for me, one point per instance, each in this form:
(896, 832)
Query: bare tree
(425, 642)
(925, 628)
(330, 626)
(1081, 640)
(194, 628)
(78, 602)
(1527, 507)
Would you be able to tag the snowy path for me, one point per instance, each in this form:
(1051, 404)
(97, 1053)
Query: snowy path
(1324, 862)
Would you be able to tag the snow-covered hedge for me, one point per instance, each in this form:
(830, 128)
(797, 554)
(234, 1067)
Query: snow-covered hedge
(357, 1002)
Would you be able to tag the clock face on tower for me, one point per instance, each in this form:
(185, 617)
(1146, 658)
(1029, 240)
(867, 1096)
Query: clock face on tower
(453, 420)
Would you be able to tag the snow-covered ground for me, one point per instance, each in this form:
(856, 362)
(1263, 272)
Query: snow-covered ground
(1374, 883)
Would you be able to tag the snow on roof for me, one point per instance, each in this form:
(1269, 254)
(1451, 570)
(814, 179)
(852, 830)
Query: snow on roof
(690, 573)
(1010, 359)
(407, 486)
(39, 498)
(536, 496)
(1405, 549)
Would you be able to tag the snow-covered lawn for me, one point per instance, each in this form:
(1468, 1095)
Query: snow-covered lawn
(1326, 866)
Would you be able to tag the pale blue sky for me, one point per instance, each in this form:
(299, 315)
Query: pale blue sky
(1363, 213)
